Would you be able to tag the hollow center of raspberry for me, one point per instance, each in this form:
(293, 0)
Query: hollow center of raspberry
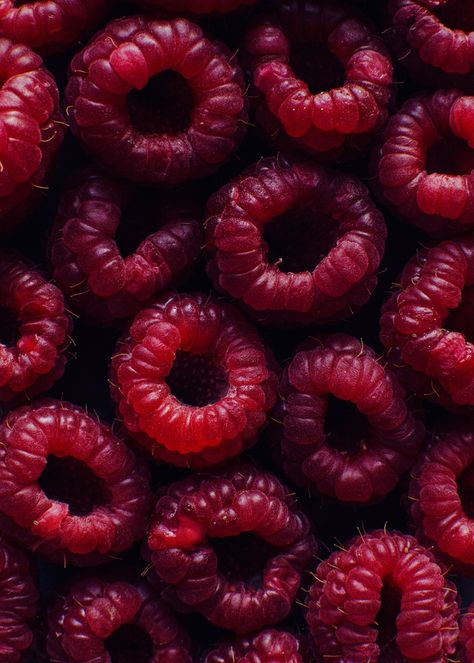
(9, 327)
(346, 428)
(130, 643)
(139, 219)
(197, 380)
(165, 105)
(456, 15)
(298, 240)
(317, 66)
(386, 618)
(461, 318)
(243, 558)
(70, 481)
(465, 482)
(451, 156)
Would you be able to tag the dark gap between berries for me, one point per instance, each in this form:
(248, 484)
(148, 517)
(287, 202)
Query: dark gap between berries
(451, 156)
(130, 643)
(346, 428)
(387, 618)
(456, 15)
(9, 327)
(243, 558)
(313, 63)
(197, 380)
(465, 483)
(461, 319)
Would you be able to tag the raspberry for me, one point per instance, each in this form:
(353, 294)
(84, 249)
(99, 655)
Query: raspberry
(192, 380)
(35, 328)
(267, 647)
(354, 454)
(199, 6)
(49, 25)
(201, 509)
(31, 130)
(88, 262)
(157, 101)
(295, 242)
(68, 487)
(466, 635)
(428, 319)
(320, 71)
(426, 162)
(18, 602)
(104, 620)
(384, 598)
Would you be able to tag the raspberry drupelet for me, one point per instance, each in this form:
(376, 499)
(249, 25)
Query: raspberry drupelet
(69, 488)
(35, 330)
(18, 603)
(269, 646)
(466, 636)
(199, 6)
(241, 588)
(321, 72)
(346, 429)
(383, 598)
(157, 101)
(294, 242)
(426, 162)
(192, 380)
(101, 620)
(113, 247)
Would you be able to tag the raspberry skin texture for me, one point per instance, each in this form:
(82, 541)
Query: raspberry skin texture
(323, 121)
(345, 601)
(437, 201)
(123, 60)
(425, 320)
(31, 364)
(92, 610)
(341, 366)
(269, 646)
(192, 339)
(347, 253)
(199, 509)
(87, 261)
(199, 6)
(466, 636)
(93, 529)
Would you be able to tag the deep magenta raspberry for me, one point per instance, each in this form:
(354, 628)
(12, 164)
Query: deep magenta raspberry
(466, 635)
(270, 646)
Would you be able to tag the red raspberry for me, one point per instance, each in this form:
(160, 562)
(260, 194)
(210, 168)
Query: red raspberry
(157, 101)
(92, 266)
(384, 598)
(269, 646)
(295, 242)
(199, 6)
(68, 487)
(354, 455)
(49, 25)
(193, 381)
(101, 621)
(33, 359)
(466, 636)
(18, 602)
(299, 55)
(426, 162)
(427, 321)
(206, 508)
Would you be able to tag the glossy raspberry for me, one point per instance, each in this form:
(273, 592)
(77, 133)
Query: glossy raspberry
(157, 101)
(269, 646)
(379, 578)
(35, 328)
(97, 218)
(426, 162)
(192, 380)
(317, 105)
(184, 541)
(69, 488)
(103, 620)
(466, 635)
(295, 242)
(18, 603)
(49, 25)
(357, 453)
(427, 321)
(199, 6)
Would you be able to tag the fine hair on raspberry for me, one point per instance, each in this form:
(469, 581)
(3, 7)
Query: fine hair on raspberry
(270, 646)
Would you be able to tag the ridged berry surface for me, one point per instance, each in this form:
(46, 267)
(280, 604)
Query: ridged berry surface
(466, 636)
(269, 646)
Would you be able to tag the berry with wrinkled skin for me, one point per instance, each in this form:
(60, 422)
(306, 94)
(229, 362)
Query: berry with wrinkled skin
(147, 128)
(346, 599)
(199, 6)
(69, 488)
(269, 646)
(198, 511)
(88, 264)
(466, 635)
(330, 234)
(192, 380)
(341, 367)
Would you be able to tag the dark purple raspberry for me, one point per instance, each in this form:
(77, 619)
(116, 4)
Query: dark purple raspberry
(35, 330)
(157, 101)
(97, 222)
(466, 636)
(269, 646)
(321, 73)
(294, 242)
(69, 488)
(346, 429)
(189, 551)
(199, 6)
(192, 380)
(383, 598)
